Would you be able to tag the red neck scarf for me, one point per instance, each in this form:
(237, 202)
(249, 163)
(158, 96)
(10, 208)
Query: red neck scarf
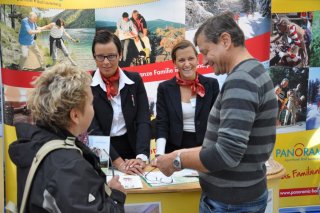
(111, 90)
(195, 85)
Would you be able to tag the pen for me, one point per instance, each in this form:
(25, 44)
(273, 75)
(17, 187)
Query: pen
(88, 133)
(112, 169)
(132, 98)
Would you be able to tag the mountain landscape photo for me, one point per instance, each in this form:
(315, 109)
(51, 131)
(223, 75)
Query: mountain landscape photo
(197, 11)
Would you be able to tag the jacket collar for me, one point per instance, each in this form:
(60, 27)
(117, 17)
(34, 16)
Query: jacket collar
(176, 96)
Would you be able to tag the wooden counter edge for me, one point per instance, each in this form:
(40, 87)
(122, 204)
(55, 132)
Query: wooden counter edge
(187, 187)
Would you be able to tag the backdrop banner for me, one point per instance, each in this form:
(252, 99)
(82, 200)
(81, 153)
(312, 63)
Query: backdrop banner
(168, 22)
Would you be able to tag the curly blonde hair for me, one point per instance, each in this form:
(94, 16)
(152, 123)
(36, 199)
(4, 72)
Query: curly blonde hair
(56, 92)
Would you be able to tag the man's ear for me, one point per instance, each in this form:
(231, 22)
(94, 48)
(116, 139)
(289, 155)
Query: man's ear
(226, 40)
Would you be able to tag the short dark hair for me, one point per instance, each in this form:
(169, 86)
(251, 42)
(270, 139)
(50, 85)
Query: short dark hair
(104, 37)
(59, 22)
(216, 25)
(182, 45)
(125, 15)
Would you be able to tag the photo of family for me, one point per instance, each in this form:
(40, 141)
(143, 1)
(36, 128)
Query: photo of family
(291, 39)
(290, 87)
(34, 39)
(147, 35)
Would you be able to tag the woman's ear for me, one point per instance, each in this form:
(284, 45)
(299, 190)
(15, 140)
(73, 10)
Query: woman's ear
(74, 124)
(74, 116)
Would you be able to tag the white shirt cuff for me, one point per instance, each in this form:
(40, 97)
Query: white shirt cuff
(143, 157)
(161, 145)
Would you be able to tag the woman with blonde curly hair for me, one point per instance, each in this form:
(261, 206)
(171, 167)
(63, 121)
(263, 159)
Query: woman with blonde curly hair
(65, 181)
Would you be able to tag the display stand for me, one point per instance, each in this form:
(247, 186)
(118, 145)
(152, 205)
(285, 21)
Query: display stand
(274, 173)
(186, 197)
(1, 177)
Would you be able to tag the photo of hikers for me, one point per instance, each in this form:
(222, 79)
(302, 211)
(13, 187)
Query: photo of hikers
(291, 38)
(33, 39)
(290, 87)
(147, 35)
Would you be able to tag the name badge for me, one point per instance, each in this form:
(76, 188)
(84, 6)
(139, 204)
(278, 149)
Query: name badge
(193, 102)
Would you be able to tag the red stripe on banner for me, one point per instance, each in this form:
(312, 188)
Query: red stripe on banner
(298, 192)
(161, 71)
(149, 73)
(257, 46)
(17, 78)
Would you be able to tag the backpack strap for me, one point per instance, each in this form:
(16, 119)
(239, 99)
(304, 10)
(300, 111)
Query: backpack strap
(48, 147)
(107, 189)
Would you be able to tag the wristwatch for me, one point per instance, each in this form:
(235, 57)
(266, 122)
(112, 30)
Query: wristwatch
(177, 162)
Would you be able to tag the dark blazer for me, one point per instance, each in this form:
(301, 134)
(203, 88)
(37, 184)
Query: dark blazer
(135, 109)
(169, 120)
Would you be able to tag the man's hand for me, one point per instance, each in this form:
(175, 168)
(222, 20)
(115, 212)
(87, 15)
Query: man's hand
(165, 163)
(153, 162)
(114, 183)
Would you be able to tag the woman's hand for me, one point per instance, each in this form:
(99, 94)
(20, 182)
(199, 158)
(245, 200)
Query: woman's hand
(132, 166)
(114, 183)
(132, 162)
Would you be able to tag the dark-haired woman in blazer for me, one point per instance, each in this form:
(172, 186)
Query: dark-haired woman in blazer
(121, 108)
(184, 102)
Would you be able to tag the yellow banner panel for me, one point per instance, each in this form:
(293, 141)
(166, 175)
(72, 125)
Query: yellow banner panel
(1, 175)
(11, 174)
(299, 153)
(293, 6)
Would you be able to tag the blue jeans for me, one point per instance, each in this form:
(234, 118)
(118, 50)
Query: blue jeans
(257, 206)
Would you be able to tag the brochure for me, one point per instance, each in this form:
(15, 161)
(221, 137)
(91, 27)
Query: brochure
(100, 145)
(128, 181)
(157, 178)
